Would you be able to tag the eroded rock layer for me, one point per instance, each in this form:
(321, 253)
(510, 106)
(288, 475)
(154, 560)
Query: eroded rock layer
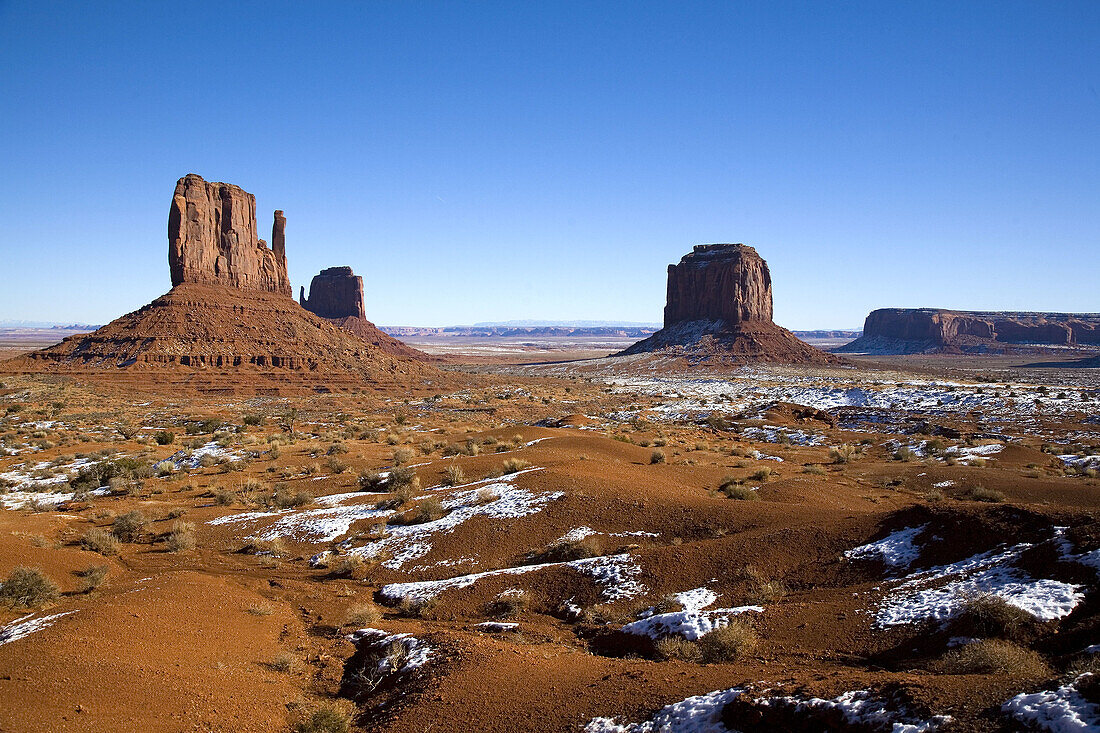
(719, 308)
(212, 239)
(920, 330)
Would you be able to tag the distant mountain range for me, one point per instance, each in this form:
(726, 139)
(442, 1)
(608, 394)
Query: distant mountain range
(14, 323)
(562, 324)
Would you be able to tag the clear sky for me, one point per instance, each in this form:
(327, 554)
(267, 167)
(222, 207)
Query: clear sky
(489, 161)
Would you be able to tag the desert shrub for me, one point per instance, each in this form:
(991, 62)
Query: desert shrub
(567, 550)
(657, 456)
(933, 495)
(761, 474)
(363, 614)
(253, 420)
(284, 498)
(335, 465)
(429, 510)
(741, 493)
(980, 493)
(991, 656)
(207, 461)
(336, 449)
(164, 437)
(401, 456)
(211, 425)
(403, 477)
(514, 465)
(904, 454)
(182, 537)
(760, 587)
(417, 607)
(28, 588)
(99, 540)
(814, 469)
(987, 615)
(349, 566)
(224, 497)
(677, 647)
(129, 526)
(261, 609)
(509, 604)
(283, 663)
(164, 468)
(728, 643)
(370, 481)
(935, 447)
(485, 496)
(453, 475)
(842, 453)
(92, 577)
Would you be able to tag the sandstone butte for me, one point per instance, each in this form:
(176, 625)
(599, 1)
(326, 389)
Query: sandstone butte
(230, 322)
(336, 294)
(923, 330)
(719, 309)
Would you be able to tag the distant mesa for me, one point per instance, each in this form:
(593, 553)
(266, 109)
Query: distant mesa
(336, 294)
(719, 307)
(936, 330)
(230, 322)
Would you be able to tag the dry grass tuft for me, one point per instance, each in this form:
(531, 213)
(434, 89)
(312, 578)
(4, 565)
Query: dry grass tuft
(99, 540)
(728, 643)
(677, 647)
(28, 588)
(991, 656)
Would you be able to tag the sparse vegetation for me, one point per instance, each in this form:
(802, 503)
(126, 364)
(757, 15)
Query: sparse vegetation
(181, 538)
(129, 526)
(93, 577)
(453, 476)
(99, 540)
(991, 656)
(327, 718)
(657, 456)
(728, 643)
(28, 588)
(981, 493)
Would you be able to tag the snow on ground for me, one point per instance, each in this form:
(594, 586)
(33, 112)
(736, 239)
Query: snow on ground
(414, 652)
(1081, 463)
(493, 627)
(692, 622)
(1088, 559)
(940, 592)
(615, 573)
(1063, 710)
(859, 707)
(189, 459)
(897, 549)
(773, 434)
(21, 627)
(697, 714)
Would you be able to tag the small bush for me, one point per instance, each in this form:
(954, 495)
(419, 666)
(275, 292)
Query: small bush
(485, 496)
(337, 449)
(842, 453)
(988, 615)
(164, 437)
(129, 526)
(401, 456)
(335, 465)
(28, 588)
(509, 604)
(728, 643)
(349, 566)
(253, 420)
(429, 510)
(99, 540)
(677, 647)
(761, 588)
(761, 474)
(568, 550)
(224, 497)
(904, 454)
(991, 656)
(453, 476)
(742, 493)
(417, 607)
(980, 493)
(283, 663)
(284, 498)
(657, 456)
(370, 481)
(93, 577)
(514, 465)
(182, 537)
(403, 477)
(363, 614)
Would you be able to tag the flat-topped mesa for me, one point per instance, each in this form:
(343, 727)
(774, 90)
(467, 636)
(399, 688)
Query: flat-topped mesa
(212, 239)
(719, 282)
(719, 310)
(336, 292)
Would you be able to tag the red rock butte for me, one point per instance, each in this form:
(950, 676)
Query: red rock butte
(336, 294)
(719, 308)
(230, 322)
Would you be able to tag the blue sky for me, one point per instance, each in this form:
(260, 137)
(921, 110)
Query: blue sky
(491, 161)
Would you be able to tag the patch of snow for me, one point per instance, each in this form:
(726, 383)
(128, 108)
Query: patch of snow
(859, 707)
(697, 714)
(897, 549)
(21, 627)
(416, 652)
(1063, 710)
(494, 627)
(690, 623)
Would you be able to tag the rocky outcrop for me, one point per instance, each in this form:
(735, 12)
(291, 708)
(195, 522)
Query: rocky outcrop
(725, 282)
(229, 324)
(928, 330)
(336, 292)
(212, 239)
(719, 309)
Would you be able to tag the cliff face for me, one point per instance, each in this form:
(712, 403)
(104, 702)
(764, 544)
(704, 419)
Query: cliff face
(726, 282)
(719, 309)
(336, 292)
(915, 330)
(212, 239)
